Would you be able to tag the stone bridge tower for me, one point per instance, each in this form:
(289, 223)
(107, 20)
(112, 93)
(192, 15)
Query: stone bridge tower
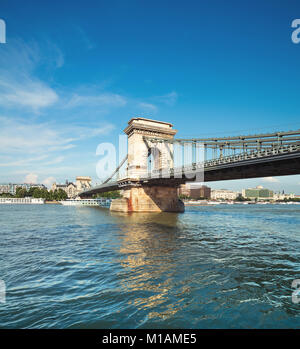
(139, 148)
(139, 195)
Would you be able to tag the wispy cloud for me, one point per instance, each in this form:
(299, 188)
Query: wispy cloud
(45, 149)
(271, 180)
(169, 99)
(57, 56)
(147, 107)
(24, 57)
(100, 100)
(88, 43)
(19, 85)
(22, 162)
(55, 161)
(19, 57)
(20, 136)
(28, 94)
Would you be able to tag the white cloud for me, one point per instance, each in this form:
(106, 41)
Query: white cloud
(28, 93)
(36, 148)
(147, 107)
(271, 180)
(23, 162)
(55, 161)
(169, 98)
(19, 58)
(81, 132)
(24, 57)
(19, 85)
(31, 178)
(25, 137)
(100, 100)
(48, 181)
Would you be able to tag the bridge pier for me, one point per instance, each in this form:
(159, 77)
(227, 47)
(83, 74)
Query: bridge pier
(148, 199)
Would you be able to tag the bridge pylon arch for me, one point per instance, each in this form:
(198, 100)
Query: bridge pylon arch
(140, 196)
(138, 130)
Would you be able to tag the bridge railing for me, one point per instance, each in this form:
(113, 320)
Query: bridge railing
(215, 148)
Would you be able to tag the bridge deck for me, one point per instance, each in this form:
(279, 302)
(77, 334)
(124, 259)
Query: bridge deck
(280, 161)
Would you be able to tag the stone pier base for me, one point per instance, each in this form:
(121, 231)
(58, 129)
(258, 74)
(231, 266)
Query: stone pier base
(148, 199)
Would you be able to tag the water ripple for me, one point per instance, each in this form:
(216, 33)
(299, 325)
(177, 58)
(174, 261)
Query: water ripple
(211, 267)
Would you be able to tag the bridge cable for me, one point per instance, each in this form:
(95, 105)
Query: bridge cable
(116, 170)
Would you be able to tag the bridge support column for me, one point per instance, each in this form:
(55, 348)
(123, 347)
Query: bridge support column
(148, 199)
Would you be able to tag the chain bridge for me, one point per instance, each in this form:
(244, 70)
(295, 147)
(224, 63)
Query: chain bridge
(157, 163)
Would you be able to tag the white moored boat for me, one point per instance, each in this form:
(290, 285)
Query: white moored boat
(27, 200)
(87, 202)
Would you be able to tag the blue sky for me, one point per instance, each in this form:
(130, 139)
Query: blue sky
(73, 73)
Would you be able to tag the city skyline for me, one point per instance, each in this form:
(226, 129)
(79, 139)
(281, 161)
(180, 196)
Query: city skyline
(191, 185)
(67, 87)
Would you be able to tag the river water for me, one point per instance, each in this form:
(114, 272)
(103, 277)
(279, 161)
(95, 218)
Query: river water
(224, 266)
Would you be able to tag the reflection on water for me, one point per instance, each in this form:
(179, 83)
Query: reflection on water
(148, 243)
(211, 267)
